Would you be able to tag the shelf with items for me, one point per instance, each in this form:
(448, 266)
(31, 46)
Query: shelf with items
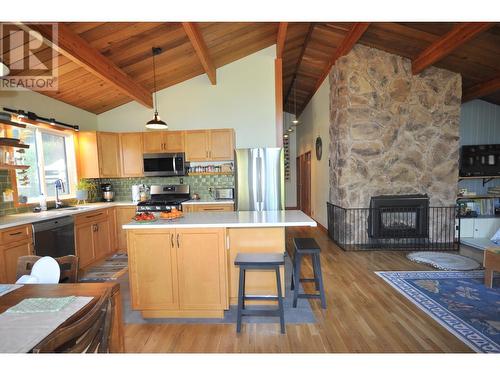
(6, 119)
(4, 166)
(485, 179)
(4, 143)
(210, 174)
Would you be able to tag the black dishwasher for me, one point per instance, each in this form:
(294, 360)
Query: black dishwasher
(55, 237)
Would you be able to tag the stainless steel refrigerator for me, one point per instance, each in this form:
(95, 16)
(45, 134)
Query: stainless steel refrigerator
(259, 179)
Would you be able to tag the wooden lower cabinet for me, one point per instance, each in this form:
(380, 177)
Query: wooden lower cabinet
(178, 273)
(102, 239)
(14, 243)
(124, 214)
(84, 238)
(94, 236)
(10, 254)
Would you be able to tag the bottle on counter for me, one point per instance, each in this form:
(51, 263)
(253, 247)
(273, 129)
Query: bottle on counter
(43, 202)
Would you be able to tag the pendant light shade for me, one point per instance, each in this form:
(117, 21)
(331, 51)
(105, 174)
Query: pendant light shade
(4, 69)
(156, 123)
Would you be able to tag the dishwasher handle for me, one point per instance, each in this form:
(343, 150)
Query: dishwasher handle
(52, 223)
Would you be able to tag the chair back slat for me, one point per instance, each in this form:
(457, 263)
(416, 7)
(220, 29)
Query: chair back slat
(88, 334)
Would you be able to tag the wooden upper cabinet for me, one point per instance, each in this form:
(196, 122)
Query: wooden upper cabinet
(108, 149)
(88, 160)
(131, 155)
(221, 144)
(197, 143)
(153, 141)
(174, 141)
(163, 141)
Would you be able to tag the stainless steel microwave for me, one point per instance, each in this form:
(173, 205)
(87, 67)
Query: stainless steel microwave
(164, 164)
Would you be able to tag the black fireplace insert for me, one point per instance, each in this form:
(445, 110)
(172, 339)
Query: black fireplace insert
(399, 216)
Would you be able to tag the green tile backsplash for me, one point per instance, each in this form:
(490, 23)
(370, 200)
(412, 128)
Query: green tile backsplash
(123, 187)
(198, 184)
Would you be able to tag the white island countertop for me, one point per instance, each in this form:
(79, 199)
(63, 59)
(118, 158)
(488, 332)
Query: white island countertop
(233, 219)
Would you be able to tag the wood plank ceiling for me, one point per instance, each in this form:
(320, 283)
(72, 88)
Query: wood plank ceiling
(309, 49)
(309, 46)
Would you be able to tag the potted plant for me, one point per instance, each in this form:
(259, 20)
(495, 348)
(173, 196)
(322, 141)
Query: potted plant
(84, 189)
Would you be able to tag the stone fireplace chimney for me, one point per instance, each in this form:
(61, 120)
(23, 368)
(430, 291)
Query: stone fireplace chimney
(392, 132)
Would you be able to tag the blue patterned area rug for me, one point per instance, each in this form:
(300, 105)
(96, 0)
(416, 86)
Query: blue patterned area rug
(458, 300)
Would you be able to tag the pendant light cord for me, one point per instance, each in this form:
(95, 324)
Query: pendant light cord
(154, 80)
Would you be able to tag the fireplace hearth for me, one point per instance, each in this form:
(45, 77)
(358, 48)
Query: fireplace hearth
(399, 216)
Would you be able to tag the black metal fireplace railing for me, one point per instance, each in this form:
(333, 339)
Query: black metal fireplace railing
(401, 228)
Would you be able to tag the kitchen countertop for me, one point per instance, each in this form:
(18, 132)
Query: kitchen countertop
(211, 201)
(9, 221)
(234, 219)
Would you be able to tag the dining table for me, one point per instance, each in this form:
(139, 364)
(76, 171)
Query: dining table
(94, 290)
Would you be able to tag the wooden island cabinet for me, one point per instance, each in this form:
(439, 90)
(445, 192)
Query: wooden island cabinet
(178, 272)
(186, 268)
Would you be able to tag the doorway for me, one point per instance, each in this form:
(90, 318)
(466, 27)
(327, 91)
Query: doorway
(304, 183)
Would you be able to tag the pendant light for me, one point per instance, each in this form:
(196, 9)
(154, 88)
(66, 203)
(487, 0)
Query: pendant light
(156, 123)
(4, 69)
(295, 121)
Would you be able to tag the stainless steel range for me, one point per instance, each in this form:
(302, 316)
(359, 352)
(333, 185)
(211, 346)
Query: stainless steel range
(165, 197)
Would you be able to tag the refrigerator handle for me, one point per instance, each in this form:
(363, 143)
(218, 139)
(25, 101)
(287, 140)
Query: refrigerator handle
(259, 179)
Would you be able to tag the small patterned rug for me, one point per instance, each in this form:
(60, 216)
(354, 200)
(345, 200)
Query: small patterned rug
(459, 301)
(444, 261)
(110, 269)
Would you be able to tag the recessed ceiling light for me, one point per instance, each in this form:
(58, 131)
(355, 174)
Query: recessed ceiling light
(295, 121)
(285, 136)
(290, 130)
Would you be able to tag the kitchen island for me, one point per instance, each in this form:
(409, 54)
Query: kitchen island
(185, 267)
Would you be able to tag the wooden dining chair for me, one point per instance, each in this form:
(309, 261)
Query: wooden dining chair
(68, 265)
(90, 333)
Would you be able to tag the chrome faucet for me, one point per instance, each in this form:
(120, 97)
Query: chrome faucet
(59, 184)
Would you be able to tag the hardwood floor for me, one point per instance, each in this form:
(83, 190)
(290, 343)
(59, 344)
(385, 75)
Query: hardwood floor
(364, 314)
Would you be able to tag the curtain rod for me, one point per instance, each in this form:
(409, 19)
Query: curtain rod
(33, 116)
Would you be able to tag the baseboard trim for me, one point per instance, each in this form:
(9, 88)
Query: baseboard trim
(321, 227)
(291, 208)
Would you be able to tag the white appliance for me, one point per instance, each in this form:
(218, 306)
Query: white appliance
(136, 193)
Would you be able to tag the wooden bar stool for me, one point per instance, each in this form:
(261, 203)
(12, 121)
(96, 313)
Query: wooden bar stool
(255, 261)
(307, 246)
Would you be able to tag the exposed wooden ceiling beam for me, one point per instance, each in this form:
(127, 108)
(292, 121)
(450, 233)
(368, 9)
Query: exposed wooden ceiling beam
(357, 30)
(78, 50)
(280, 40)
(445, 45)
(481, 89)
(299, 60)
(201, 50)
